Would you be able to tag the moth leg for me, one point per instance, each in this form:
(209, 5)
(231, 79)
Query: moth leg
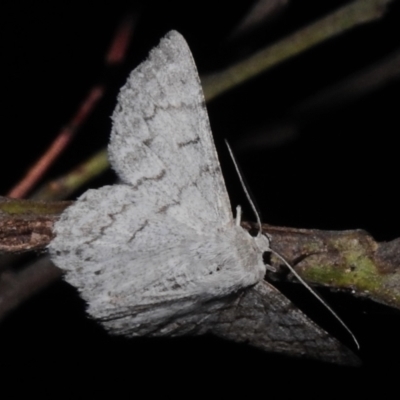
(271, 268)
(238, 215)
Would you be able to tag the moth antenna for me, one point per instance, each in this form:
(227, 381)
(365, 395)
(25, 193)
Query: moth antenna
(245, 188)
(301, 280)
(321, 300)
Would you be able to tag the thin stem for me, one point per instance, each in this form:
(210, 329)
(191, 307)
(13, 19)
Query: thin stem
(340, 21)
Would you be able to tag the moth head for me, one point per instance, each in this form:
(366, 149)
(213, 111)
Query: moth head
(262, 242)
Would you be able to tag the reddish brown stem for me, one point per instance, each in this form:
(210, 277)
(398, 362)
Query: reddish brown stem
(59, 144)
(115, 55)
(118, 49)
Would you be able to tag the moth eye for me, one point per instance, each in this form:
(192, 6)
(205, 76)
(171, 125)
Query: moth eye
(266, 258)
(253, 232)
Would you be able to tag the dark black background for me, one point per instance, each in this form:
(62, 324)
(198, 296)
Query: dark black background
(339, 171)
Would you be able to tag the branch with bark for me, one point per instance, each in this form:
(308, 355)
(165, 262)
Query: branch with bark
(346, 260)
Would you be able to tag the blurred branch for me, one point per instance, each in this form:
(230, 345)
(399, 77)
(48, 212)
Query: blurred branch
(353, 87)
(35, 173)
(348, 17)
(327, 100)
(67, 184)
(21, 285)
(115, 55)
(358, 12)
(258, 14)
